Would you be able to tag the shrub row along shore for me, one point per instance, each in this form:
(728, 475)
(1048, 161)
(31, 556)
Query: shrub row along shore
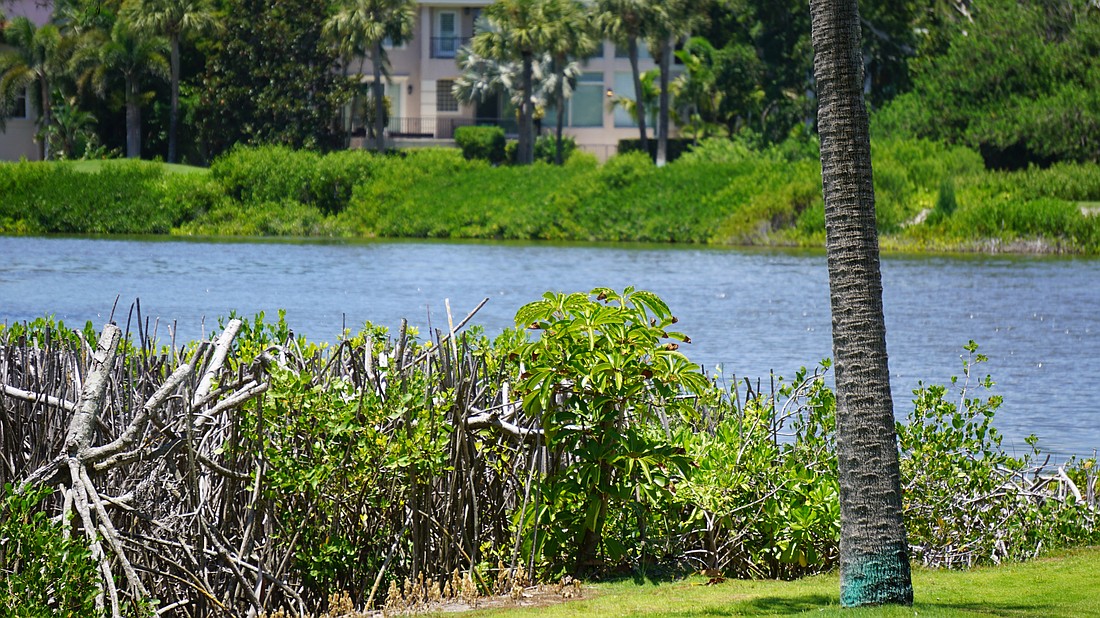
(930, 197)
(260, 472)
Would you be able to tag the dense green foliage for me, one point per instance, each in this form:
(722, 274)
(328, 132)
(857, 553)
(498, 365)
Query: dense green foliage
(43, 572)
(126, 197)
(386, 458)
(270, 79)
(722, 191)
(601, 377)
(1031, 99)
(485, 143)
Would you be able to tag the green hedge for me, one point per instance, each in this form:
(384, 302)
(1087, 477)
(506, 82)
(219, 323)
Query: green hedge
(676, 147)
(484, 143)
(720, 192)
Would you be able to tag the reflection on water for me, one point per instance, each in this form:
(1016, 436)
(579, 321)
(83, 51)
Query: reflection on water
(750, 312)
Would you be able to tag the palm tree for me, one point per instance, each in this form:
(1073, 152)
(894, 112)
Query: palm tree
(668, 22)
(172, 19)
(572, 36)
(517, 30)
(30, 66)
(131, 54)
(71, 126)
(874, 554)
(624, 22)
(361, 27)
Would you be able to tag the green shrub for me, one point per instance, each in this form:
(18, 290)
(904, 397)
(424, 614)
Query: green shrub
(719, 150)
(43, 571)
(121, 197)
(967, 501)
(603, 366)
(792, 527)
(676, 147)
(189, 196)
(546, 147)
(266, 173)
(485, 143)
(623, 170)
(335, 177)
(229, 218)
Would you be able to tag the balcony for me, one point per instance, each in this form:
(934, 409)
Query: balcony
(441, 128)
(447, 46)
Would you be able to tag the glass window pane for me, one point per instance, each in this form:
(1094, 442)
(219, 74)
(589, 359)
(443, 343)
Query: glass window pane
(624, 87)
(445, 100)
(587, 103)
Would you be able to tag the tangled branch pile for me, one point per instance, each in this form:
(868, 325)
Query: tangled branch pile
(259, 473)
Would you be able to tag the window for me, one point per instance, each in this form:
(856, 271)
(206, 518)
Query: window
(445, 41)
(445, 100)
(624, 87)
(19, 110)
(585, 107)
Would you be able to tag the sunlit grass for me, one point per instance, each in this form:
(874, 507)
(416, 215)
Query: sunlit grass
(96, 165)
(1061, 586)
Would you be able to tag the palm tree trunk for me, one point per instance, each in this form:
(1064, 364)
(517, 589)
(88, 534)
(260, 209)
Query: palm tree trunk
(46, 120)
(639, 104)
(526, 147)
(133, 120)
(559, 98)
(664, 62)
(379, 100)
(874, 553)
(174, 112)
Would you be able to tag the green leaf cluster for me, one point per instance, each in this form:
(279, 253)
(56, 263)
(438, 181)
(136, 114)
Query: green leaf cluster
(603, 376)
(43, 571)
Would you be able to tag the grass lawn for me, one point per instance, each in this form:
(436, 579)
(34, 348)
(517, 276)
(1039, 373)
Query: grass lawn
(1066, 585)
(98, 164)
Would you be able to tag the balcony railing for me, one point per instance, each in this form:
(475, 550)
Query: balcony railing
(447, 46)
(441, 128)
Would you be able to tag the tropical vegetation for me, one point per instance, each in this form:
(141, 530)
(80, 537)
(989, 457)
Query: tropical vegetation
(733, 68)
(391, 470)
(928, 197)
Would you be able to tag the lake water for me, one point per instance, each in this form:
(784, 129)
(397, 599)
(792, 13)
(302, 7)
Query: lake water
(749, 312)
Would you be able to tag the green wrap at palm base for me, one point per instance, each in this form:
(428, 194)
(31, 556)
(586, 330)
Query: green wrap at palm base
(877, 579)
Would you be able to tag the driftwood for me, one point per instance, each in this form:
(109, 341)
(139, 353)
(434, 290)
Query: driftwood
(147, 465)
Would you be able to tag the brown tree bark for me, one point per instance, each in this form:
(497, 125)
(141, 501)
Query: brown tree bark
(874, 553)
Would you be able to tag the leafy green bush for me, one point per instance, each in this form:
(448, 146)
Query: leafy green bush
(266, 173)
(676, 147)
(283, 218)
(485, 143)
(335, 177)
(1031, 100)
(967, 501)
(602, 371)
(765, 507)
(719, 150)
(546, 148)
(121, 197)
(43, 572)
(190, 196)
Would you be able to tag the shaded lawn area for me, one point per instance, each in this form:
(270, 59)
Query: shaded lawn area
(1065, 585)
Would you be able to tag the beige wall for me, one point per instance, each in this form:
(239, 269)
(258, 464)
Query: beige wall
(17, 139)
